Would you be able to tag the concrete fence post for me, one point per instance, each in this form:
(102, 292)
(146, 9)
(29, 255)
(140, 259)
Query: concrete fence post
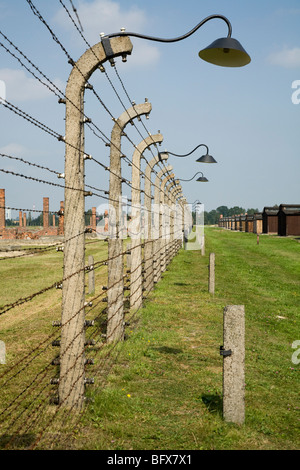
(178, 231)
(72, 346)
(128, 256)
(91, 275)
(115, 286)
(173, 222)
(165, 217)
(179, 218)
(211, 268)
(157, 222)
(2, 209)
(136, 279)
(172, 190)
(149, 243)
(233, 351)
(168, 222)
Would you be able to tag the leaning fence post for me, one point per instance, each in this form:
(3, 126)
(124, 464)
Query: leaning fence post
(233, 352)
(211, 282)
(72, 346)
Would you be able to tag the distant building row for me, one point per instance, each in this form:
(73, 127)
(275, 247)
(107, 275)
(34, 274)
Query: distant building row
(283, 220)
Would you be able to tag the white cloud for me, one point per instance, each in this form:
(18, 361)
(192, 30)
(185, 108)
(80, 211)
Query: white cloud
(20, 87)
(14, 149)
(107, 16)
(288, 58)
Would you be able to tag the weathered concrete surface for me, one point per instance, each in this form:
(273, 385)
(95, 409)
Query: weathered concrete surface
(234, 364)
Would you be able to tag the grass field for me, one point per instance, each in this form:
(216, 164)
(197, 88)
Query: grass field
(164, 390)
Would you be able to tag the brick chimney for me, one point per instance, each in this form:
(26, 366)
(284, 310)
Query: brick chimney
(61, 219)
(2, 208)
(45, 212)
(94, 222)
(106, 221)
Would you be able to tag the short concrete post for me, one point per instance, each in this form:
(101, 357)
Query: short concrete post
(203, 246)
(233, 351)
(91, 275)
(211, 268)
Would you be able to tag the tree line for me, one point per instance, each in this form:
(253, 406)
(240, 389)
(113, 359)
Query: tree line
(212, 217)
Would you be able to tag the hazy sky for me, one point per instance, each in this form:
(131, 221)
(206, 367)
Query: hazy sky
(249, 117)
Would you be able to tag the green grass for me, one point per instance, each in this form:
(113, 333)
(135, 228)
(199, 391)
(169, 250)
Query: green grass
(164, 390)
(28, 333)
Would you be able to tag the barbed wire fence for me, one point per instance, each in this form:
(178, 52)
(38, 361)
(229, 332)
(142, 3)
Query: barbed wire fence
(44, 383)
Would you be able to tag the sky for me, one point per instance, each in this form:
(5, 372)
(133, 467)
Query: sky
(248, 117)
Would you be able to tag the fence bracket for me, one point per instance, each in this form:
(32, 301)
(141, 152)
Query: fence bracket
(224, 352)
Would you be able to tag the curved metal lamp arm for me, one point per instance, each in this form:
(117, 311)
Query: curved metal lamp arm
(192, 177)
(187, 154)
(150, 38)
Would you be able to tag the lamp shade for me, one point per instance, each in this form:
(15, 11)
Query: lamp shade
(202, 179)
(206, 159)
(226, 52)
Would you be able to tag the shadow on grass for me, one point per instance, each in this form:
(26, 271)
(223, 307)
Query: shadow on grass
(19, 441)
(167, 350)
(213, 403)
(181, 284)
